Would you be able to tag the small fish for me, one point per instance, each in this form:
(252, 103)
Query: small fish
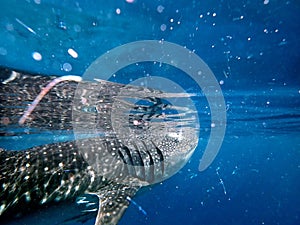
(132, 145)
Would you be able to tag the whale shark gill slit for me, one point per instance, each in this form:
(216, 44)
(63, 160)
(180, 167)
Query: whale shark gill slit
(161, 158)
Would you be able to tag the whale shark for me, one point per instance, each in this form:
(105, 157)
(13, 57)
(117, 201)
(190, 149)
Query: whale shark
(120, 138)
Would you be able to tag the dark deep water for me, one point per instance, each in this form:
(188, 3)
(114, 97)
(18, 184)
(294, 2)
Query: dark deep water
(252, 47)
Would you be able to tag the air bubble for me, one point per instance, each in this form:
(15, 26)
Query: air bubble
(67, 67)
(163, 27)
(160, 8)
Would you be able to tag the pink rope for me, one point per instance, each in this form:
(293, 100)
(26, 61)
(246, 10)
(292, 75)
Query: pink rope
(44, 91)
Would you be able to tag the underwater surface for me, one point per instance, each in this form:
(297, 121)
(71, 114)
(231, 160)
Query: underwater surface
(252, 48)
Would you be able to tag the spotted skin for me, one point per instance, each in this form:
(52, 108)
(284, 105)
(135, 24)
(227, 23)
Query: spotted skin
(56, 172)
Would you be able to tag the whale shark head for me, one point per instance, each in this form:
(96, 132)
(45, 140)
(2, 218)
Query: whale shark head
(152, 134)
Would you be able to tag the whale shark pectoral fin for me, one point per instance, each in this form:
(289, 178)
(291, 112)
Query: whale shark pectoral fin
(113, 201)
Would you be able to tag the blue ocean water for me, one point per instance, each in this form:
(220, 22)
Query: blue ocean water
(252, 47)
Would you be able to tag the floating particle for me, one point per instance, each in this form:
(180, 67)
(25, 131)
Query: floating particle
(130, 1)
(160, 8)
(118, 11)
(37, 56)
(214, 14)
(25, 26)
(238, 18)
(221, 82)
(73, 53)
(250, 56)
(283, 42)
(37, 2)
(67, 67)
(62, 25)
(266, 2)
